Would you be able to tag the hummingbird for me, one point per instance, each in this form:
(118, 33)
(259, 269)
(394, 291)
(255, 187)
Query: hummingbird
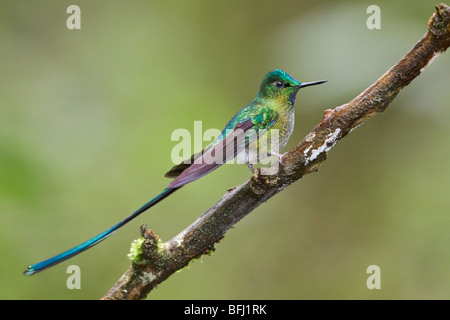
(270, 113)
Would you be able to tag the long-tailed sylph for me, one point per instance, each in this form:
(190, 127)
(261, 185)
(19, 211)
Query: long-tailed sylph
(272, 111)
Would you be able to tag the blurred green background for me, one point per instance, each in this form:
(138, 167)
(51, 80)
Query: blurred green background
(86, 118)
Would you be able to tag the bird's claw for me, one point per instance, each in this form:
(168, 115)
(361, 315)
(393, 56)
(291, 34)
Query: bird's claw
(280, 156)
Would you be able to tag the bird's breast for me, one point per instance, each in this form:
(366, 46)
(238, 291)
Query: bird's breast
(273, 140)
(285, 127)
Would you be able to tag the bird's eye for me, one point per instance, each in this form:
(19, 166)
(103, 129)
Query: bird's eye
(279, 84)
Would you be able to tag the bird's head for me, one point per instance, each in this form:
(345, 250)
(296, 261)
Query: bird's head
(278, 84)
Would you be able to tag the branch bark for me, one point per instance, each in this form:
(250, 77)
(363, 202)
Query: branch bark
(159, 262)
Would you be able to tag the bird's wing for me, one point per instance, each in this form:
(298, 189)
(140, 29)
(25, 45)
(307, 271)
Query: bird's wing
(179, 168)
(242, 130)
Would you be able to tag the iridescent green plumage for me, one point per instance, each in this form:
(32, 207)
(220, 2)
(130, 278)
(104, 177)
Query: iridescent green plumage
(272, 109)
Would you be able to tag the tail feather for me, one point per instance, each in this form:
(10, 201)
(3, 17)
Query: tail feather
(38, 267)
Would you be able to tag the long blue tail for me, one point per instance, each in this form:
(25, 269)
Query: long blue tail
(38, 267)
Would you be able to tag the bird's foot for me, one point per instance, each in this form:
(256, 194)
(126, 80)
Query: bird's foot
(280, 156)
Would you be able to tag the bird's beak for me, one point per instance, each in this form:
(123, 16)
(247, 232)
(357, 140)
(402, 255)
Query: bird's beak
(307, 84)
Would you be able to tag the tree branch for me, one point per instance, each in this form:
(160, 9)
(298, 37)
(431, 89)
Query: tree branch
(160, 261)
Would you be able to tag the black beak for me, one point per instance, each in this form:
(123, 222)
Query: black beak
(307, 84)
